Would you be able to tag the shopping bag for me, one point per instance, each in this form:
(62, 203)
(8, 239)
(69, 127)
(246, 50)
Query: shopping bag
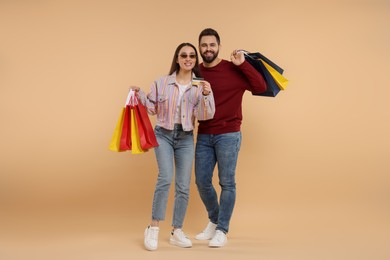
(116, 137)
(133, 131)
(121, 138)
(269, 70)
(125, 142)
(278, 77)
(146, 133)
(135, 140)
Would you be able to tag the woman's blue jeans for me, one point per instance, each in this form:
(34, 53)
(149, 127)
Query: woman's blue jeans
(221, 149)
(174, 154)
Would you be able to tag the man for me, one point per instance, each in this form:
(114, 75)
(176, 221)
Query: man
(219, 139)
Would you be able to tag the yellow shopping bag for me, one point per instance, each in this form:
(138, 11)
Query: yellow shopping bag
(116, 137)
(135, 140)
(279, 79)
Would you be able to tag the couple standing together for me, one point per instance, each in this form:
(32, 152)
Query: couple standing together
(177, 99)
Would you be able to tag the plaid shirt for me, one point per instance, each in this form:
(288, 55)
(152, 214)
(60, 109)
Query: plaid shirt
(162, 101)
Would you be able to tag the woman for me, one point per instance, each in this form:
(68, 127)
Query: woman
(177, 99)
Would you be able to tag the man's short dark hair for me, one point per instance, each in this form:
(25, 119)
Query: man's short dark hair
(209, 32)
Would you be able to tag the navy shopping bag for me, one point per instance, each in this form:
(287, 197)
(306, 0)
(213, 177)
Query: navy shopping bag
(256, 59)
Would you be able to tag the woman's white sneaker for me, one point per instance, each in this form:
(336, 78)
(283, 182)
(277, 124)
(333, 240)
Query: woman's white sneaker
(178, 238)
(207, 233)
(219, 239)
(151, 238)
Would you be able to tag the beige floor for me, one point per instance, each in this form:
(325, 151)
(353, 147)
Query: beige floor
(289, 232)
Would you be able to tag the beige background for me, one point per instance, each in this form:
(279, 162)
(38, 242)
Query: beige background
(313, 173)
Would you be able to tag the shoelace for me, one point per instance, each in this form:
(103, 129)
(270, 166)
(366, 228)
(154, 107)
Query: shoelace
(180, 234)
(219, 236)
(153, 233)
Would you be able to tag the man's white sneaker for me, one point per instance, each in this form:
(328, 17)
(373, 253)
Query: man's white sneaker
(219, 239)
(151, 238)
(207, 233)
(178, 238)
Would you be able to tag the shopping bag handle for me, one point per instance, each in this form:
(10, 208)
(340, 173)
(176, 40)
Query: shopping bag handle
(132, 99)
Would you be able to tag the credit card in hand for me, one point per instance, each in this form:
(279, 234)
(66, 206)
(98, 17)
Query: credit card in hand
(196, 81)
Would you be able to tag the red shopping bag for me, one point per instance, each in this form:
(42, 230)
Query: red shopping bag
(136, 147)
(125, 142)
(146, 133)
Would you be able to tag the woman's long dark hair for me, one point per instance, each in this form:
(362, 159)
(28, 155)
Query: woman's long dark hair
(175, 66)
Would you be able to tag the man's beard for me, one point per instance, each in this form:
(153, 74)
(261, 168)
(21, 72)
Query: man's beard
(209, 59)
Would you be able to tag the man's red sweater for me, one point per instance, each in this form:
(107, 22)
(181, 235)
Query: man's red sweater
(229, 83)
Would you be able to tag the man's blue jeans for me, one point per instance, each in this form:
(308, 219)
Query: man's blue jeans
(221, 149)
(174, 154)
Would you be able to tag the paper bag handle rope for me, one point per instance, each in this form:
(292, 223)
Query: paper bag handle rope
(131, 99)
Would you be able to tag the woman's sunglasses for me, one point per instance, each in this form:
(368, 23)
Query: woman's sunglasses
(185, 55)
